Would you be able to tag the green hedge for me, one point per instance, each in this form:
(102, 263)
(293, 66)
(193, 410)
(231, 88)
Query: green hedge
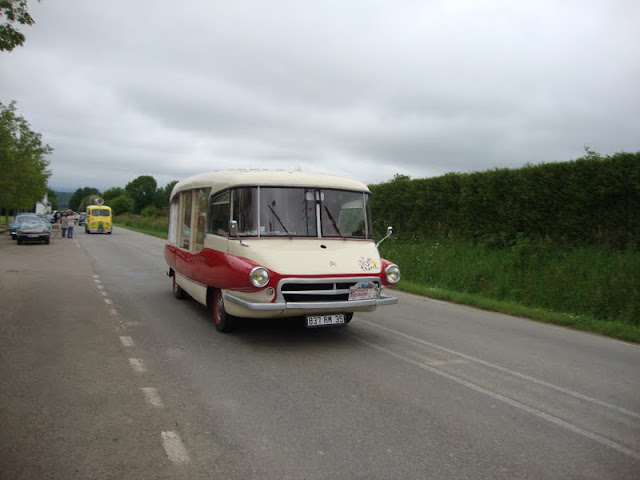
(593, 200)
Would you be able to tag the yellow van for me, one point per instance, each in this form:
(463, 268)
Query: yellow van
(99, 219)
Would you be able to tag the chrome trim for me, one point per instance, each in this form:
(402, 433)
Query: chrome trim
(321, 306)
(281, 304)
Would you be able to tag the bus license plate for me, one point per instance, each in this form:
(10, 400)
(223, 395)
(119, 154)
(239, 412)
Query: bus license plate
(325, 320)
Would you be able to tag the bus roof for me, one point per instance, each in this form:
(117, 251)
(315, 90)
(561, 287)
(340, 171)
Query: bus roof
(93, 207)
(223, 179)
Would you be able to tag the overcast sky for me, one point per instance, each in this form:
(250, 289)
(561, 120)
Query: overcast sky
(362, 88)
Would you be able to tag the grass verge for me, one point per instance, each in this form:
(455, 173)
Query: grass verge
(614, 329)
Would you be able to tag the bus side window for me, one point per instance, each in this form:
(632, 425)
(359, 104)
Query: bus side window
(185, 230)
(200, 215)
(219, 215)
(174, 216)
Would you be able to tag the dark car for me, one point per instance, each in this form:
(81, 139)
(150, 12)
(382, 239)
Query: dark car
(33, 230)
(82, 218)
(18, 220)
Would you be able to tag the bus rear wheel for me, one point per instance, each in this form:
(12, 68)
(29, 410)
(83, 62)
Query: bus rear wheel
(178, 292)
(222, 320)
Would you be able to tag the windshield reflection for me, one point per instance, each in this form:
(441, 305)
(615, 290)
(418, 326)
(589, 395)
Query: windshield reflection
(300, 212)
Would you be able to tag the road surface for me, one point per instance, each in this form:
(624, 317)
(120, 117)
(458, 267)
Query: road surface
(105, 375)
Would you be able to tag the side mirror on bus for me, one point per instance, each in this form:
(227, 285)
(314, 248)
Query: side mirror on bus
(233, 228)
(389, 233)
(233, 232)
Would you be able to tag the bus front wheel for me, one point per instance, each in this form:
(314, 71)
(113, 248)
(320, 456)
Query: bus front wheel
(222, 320)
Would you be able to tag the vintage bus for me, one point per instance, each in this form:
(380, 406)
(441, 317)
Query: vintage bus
(265, 244)
(99, 219)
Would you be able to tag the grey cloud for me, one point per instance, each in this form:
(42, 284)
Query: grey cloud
(368, 89)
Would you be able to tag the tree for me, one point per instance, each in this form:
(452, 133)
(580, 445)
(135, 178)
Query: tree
(23, 161)
(111, 193)
(88, 200)
(167, 190)
(79, 195)
(11, 12)
(142, 191)
(121, 204)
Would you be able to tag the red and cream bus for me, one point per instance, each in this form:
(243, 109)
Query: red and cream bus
(265, 244)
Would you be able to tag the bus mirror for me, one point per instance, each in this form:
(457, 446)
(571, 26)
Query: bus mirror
(389, 233)
(233, 232)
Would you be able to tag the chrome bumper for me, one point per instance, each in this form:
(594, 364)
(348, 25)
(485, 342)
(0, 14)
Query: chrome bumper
(321, 306)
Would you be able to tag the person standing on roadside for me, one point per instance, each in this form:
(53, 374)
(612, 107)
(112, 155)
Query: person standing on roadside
(64, 224)
(71, 222)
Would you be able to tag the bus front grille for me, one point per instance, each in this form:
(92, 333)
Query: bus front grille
(320, 290)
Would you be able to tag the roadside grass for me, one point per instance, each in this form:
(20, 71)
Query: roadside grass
(155, 226)
(613, 329)
(589, 289)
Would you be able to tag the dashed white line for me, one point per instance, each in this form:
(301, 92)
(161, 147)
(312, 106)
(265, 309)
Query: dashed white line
(107, 301)
(152, 397)
(137, 365)
(174, 447)
(127, 341)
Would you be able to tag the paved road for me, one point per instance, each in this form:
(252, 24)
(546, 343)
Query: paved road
(105, 375)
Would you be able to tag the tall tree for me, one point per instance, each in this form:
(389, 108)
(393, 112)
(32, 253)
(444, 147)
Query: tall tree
(12, 12)
(142, 191)
(112, 193)
(79, 195)
(23, 161)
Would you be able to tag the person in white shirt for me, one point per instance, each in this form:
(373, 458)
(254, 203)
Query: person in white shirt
(71, 222)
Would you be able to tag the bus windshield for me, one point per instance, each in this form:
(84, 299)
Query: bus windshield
(300, 212)
(98, 212)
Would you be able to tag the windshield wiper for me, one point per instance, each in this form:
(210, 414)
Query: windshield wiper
(278, 218)
(333, 222)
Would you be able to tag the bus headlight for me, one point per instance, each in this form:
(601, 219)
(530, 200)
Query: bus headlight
(393, 273)
(259, 276)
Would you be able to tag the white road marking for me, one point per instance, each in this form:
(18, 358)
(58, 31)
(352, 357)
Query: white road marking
(514, 403)
(127, 341)
(137, 365)
(152, 397)
(174, 447)
(506, 370)
(107, 301)
(113, 311)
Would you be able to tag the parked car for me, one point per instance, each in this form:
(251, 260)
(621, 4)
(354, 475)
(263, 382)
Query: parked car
(18, 220)
(33, 230)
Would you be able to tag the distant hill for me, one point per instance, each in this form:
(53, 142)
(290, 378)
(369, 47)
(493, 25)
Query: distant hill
(63, 199)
